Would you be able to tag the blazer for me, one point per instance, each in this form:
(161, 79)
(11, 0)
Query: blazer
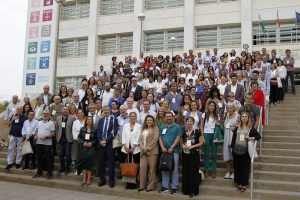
(151, 142)
(69, 125)
(50, 96)
(239, 93)
(111, 132)
(40, 113)
(137, 93)
(253, 133)
(131, 137)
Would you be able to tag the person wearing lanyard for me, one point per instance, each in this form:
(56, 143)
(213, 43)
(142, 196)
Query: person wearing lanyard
(28, 131)
(169, 138)
(11, 109)
(174, 98)
(107, 129)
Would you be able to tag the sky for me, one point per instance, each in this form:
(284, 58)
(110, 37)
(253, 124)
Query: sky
(13, 16)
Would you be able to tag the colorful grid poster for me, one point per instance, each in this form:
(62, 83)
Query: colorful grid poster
(32, 47)
(30, 78)
(48, 2)
(47, 15)
(33, 32)
(45, 46)
(31, 63)
(46, 31)
(44, 62)
(35, 17)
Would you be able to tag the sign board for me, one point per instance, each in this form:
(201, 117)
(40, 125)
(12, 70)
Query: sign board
(44, 62)
(47, 15)
(33, 32)
(46, 31)
(31, 63)
(43, 79)
(45, 47)
(32, 47)
(48, 2)
(35, 17)
(35, 3)
(30, 78)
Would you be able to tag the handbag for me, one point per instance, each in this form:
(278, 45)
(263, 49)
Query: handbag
(117, 141)
(279, 82)
(26, 147)
(251, 148)
(166, 162)
(230, 137)
(240, 149)
(129, 169)
(274, 81)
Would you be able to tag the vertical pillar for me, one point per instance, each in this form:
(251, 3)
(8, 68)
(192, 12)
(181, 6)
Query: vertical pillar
(92, 37)
(138, 8)
(246, 23)
(189, 11)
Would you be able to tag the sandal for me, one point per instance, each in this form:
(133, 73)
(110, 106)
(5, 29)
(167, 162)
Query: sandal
(243, 189)
(238, 188)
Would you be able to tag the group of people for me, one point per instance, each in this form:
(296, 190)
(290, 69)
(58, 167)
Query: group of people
(152, 106)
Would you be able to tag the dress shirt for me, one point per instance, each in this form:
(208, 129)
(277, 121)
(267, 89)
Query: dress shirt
(29, 127)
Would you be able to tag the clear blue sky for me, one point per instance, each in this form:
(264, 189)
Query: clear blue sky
(13, 15)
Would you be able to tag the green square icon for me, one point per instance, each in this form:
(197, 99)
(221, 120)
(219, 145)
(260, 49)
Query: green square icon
(31, 63)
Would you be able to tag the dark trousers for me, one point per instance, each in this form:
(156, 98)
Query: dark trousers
(136, 159)
(190, 171)
(64, 151)
(120, 155)
(291, 75)
(102, 153)
(281, 91)
(33, 155)
(42, 150)
(274, 94)
(241, 168)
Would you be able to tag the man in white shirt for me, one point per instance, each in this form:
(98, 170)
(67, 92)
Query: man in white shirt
(151, 84)
(191, 76)
(11, 109)
(222, 86)
(265, 62)
(147, 111)
(141, 58)
(47, 95)
(258, 66)
(107, 94)
(199, 56)
(101, 72)
(134, 64)
(207, 57)
(200, 65)
(81, 92)
(216, 54)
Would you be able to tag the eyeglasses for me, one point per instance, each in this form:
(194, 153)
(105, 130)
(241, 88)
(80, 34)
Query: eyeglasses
(231, 96)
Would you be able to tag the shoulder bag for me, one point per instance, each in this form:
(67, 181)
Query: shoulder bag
(26, 147)
(166, 162)
(129, 169)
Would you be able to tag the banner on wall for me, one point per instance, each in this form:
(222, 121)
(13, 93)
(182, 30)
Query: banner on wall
(30, 78)
(33, 32)
(44, 62)
(46, 31)
(45, 46)
(43, 79)
(31, 63)
(35, 17)
(48, 2)
(32, 47)
(47, 15)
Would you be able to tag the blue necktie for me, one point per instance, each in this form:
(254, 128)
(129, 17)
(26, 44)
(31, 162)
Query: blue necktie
(104, 135)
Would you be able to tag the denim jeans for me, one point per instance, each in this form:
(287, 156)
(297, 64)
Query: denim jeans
(291, 75)
(175, 175)
(64, 151)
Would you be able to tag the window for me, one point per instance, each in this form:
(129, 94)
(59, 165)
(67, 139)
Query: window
(75, 10)
(73, 48)
(159, 41)
(218, 37)
(157, 4)
(116, 44)
(69, 82)
(210, 1)
(289, 33)
(108, 7)
(261, 38)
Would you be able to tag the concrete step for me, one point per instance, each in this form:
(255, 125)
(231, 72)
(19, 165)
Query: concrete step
(276, 176)
(281, 145)
(280, 127)
(294, 168)
(277, 185)
(278, 159)
(280, 152)
(283, 133)
(283, 118)
(286, 122)
(285, 109)
(281, 139)
(275, 194)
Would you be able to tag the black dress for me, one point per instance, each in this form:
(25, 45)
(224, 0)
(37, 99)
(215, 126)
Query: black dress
(190, 165)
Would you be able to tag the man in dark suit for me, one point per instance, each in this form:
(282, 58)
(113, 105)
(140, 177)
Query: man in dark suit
(64, 138)
(76, 102)
(106, 131)
(236, 88)
(135, 88)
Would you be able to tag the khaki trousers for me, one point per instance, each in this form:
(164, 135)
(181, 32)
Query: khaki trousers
(146, 161)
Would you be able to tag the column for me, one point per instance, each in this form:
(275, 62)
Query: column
(138, 8)
(189, 11)
(246, 23)
(92, 37)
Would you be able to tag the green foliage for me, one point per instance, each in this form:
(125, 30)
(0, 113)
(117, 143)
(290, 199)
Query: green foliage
(3, 106)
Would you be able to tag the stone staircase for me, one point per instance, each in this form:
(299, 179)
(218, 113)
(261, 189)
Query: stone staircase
(276, 172)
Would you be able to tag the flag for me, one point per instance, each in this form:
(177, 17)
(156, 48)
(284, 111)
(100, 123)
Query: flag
(262, 25)
(297, 17)
(278, 21)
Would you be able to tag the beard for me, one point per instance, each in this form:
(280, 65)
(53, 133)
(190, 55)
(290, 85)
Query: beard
(169, 121)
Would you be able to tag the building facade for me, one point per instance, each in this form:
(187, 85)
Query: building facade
(92, 31)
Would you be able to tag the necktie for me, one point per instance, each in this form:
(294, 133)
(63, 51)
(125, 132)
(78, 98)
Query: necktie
(104, 135)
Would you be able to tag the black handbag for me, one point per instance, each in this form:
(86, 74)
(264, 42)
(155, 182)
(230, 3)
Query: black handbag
(274, 81)
(166, 162)
(240, 149)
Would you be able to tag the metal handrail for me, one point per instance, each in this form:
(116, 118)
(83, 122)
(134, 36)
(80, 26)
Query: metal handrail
(260, 130)
(252, 170)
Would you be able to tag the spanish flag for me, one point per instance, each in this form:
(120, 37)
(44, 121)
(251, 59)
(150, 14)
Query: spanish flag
(278, 21)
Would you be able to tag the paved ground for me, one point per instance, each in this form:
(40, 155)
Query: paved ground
(18, 191)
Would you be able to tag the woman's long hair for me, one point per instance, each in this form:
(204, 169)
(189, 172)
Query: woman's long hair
(85, 124)
(207, 113)
(212, 90)
(248, 126)
(161, 119)
(145, 126)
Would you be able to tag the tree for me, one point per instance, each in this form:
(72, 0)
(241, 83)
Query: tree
(3, 106)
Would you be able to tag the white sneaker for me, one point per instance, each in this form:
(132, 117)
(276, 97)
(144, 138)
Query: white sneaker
(232, 176)
(227, 176)
(76, 174)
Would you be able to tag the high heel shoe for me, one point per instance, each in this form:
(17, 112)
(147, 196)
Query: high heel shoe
(82, 184)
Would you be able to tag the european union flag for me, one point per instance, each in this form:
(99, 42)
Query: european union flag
(297, 17)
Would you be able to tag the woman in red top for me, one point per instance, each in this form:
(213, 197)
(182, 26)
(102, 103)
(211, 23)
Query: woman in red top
(259, 98)
(147, 62)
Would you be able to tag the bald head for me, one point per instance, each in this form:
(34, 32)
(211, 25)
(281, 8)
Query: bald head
(15, 98)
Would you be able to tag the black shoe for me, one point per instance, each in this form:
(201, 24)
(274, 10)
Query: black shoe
(127, 187)
(111, 185)
(60, 171)
(133, 187)
(18, 166)
(173, 191)
(101, 184)
(149, 190)
(191, 195)
(32, 167)
(26, 167)
(140, 190)
(8, 166)
(67, 172)
(119, 177)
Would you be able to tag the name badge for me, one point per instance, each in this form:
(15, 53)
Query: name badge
(13, 109)
(67, 104)
(181, 90)
(28, 129)
(53, 112)
(17, 121)
(287, 61)
(173, 80)
(77, 128)
(280, 69)
(212, 125)
(242, 137)
(274, 61)
(98, 93)
(86, 102)
(227, 125)
(164, 131)
(63, 124)
(87, 136)
(121, 123)
(189, 143)
(220, 105)
(184, 113)
(155, 81)
(162, 99)
(173, 100)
